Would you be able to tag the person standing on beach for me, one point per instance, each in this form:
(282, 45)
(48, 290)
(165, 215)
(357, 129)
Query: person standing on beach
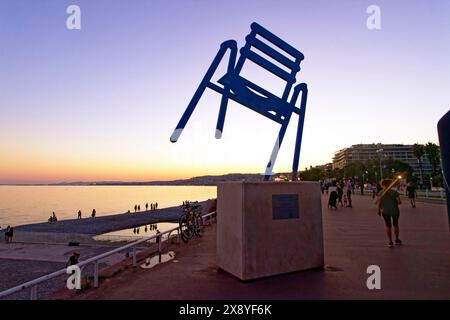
(139, 207)
(146, 207)
(10, 234)
(156, 205)
(7, 233)
(93, 213)
(79, 214)
(388, 207)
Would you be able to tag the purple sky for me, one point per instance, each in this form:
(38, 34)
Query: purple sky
(101, 102)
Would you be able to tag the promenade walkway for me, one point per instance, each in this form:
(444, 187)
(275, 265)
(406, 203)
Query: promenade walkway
(354, 239)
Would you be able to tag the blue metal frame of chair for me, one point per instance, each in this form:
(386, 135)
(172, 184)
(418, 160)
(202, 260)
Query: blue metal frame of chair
(252, 96)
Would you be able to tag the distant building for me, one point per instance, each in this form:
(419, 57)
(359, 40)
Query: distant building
(364, 152)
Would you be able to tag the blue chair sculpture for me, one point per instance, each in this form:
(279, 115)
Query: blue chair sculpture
(252, 96)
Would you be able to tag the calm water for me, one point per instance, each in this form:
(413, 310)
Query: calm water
(30, 204)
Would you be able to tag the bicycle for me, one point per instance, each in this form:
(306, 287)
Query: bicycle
(191, 224)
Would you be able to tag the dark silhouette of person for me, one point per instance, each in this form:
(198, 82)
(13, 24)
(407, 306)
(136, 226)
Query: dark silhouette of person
(158, 238)
(412, 194)
(93, 213)
(139, 207)
(11, 234)
(146, 207)
(73, 259)
(8, 234)
(79, 214)
(388, 207)
(156, 205)
(135, 207)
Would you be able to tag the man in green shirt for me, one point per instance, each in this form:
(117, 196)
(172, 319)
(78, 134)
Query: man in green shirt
(388, 201)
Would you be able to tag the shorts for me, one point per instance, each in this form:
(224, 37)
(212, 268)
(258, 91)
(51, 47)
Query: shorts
(391, 220)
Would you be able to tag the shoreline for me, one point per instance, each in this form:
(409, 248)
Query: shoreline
(105, 223)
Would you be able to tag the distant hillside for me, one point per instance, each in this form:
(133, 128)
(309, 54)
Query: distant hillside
(195, 181)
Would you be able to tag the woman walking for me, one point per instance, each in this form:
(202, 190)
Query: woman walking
(388, 201)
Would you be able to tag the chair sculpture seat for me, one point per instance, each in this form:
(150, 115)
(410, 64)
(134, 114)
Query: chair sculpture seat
(236, 87)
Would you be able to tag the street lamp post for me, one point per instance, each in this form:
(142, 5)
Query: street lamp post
(379, 151)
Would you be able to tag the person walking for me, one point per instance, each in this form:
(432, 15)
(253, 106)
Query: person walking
(388, 207)
(412, 194)
(349, 188)
(79, 214)
(93, 213)
(340, 193)
(332, 198)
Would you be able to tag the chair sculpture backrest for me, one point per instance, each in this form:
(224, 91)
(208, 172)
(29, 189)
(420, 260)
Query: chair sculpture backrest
(276, 56)
(288, 56)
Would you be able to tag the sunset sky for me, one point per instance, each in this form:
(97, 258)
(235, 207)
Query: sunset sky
(100, 103)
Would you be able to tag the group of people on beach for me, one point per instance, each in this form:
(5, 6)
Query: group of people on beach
(79, 216)
(53, 219)
(137, 207)
(187, 203)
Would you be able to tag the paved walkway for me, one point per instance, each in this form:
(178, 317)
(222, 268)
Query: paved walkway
(354, 239)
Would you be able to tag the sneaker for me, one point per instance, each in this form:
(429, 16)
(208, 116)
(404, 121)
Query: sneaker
(398, 242)
(390, 244)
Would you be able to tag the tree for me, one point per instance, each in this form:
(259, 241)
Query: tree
(313, 174)
(394, 168)
(433, 155)
(419, 151)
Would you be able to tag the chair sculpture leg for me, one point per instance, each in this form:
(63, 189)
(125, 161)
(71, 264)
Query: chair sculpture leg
(201, 89)
(298, 141)
(276, 147)
(225, 96)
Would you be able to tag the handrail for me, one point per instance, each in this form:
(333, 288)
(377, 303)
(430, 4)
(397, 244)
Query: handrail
(33, 283)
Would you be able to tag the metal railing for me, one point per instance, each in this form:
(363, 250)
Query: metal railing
(33, 284)
(420, 194)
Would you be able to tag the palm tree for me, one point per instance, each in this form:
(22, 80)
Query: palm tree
(419, 151)
(433, 155)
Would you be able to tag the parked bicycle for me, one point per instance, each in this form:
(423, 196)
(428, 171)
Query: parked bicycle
(191, 223)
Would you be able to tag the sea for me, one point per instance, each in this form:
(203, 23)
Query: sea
(21, 205)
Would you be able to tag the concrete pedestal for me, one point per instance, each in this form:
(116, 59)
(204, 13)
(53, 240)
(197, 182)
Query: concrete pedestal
(268, 228)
